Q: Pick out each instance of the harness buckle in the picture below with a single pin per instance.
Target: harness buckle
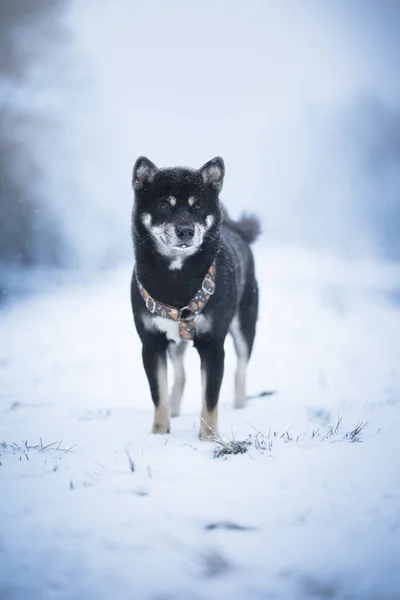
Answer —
(208, 286)
(150, 304)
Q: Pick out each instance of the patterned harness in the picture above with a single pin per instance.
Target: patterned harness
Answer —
(186, 315)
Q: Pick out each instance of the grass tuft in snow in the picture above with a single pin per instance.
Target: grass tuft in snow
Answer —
(259, 442)
(225, 448)
(263, 442)
(24, 448)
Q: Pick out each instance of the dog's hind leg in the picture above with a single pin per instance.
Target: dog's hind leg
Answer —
(242, 354)
(243, 329)
(176, 353)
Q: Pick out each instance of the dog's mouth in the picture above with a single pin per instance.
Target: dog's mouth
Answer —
(171, 244)
(183, 246)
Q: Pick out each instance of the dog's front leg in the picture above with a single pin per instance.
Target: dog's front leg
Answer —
(176, 352)
(212, 357)
(154, 353)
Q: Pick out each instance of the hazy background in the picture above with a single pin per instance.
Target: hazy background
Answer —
(301, 98)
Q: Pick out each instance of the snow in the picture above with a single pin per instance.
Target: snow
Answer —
(316, 518)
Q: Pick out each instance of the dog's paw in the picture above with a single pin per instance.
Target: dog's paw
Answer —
(207, 434)
(160, 428)
(208, 437)
(175, 404)
(161, 421)
(175, 412)
(209, 425)
(239, 403)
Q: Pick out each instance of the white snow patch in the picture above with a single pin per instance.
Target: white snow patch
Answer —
(76, 522)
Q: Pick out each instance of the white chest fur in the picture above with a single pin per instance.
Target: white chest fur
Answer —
(171, 328)
(167, 326)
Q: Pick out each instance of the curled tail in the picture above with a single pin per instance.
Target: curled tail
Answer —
(248, 226)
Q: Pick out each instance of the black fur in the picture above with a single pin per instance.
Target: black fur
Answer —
(248, 226)
(226, 240)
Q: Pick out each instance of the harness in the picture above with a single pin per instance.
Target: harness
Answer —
(186, 315)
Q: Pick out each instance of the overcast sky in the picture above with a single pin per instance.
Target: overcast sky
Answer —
(299, 97)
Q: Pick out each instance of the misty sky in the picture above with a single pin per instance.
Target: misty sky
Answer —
(300, 98)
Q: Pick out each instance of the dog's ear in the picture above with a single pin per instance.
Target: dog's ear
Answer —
(143, 172)
(213, 173)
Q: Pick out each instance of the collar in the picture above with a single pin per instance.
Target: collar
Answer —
(188, 313)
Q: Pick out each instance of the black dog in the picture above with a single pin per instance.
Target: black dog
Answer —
(193, 280)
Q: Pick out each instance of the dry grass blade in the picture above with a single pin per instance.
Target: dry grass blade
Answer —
(354, 434)
(130, 461)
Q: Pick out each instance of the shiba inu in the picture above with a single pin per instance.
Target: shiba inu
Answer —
(193, 282)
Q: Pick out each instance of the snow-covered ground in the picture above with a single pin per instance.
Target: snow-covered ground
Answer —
(316, 514)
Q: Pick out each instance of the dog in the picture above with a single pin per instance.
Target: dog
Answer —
(193, 282)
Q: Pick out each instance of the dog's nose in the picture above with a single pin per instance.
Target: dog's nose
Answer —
(184, 232)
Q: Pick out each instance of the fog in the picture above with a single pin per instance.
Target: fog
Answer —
(301, 100)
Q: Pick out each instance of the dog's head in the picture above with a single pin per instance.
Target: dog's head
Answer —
(177, 207)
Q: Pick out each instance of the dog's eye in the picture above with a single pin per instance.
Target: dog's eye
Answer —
(163, 206)
(197, 206)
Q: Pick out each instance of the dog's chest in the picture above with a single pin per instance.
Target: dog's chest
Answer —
(171, 328)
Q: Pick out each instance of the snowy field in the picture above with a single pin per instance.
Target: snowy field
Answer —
(93, 507)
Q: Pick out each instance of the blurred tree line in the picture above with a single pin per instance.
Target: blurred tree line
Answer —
(29, 233)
